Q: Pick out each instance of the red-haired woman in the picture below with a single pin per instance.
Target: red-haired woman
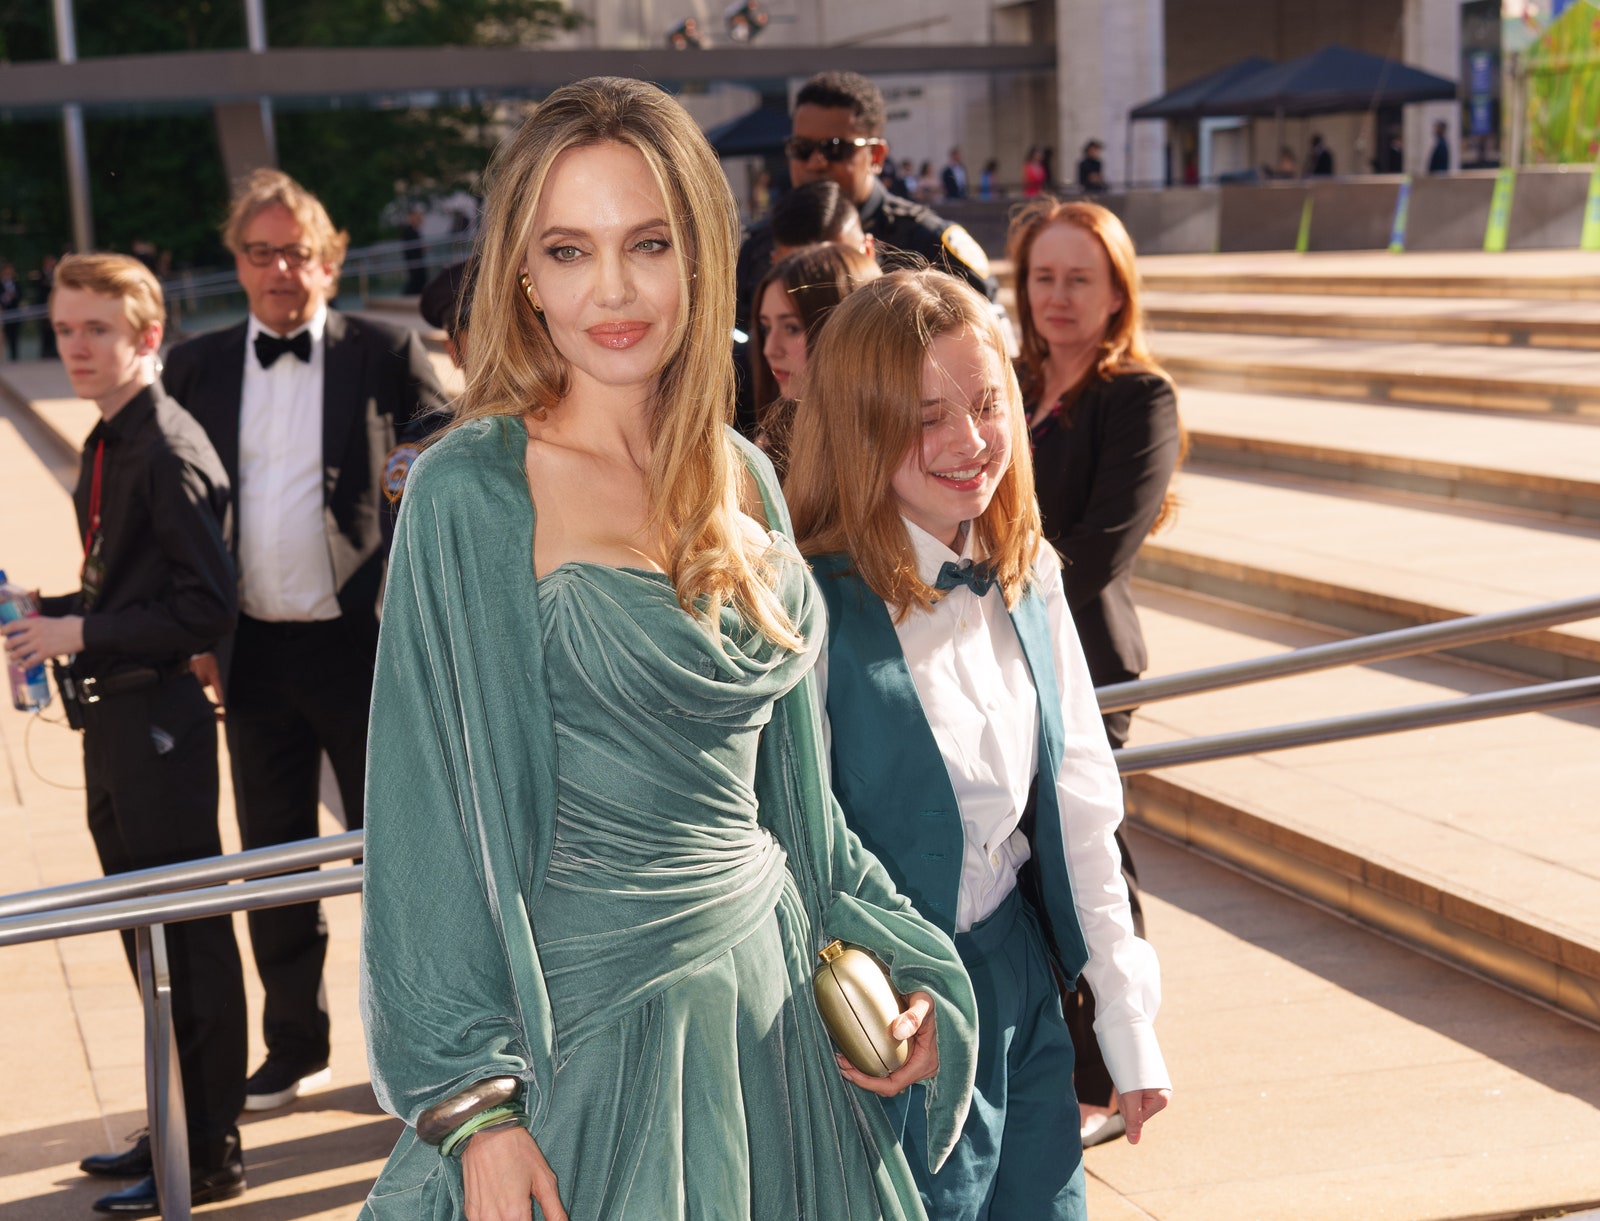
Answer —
(1103, 421)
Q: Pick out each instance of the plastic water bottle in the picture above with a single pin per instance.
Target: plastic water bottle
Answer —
(30, 689)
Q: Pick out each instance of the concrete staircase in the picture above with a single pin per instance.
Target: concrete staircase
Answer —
(1367, 459)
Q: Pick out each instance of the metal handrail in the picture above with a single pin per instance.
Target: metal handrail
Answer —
(93, 917)
(1542, 697)
(1381, 646)
(184, 905)
(374, 260)
(211, 871)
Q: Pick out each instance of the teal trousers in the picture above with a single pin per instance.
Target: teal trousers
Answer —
(1019, 1157)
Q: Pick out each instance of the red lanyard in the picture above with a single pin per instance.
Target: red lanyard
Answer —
(94, 498)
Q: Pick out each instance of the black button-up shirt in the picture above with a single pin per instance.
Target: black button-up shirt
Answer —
(168, 589)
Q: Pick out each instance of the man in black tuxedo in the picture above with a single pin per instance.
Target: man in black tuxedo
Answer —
(316, 416)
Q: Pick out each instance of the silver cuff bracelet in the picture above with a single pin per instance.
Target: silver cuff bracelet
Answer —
(436, 1123)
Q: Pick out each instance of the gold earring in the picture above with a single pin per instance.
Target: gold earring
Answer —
(525, 282)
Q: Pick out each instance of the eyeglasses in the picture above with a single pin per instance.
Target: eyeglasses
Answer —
(262, 254)
(835, 149)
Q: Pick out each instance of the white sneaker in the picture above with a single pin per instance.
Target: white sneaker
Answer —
(1099, 1129)
(277, 1083)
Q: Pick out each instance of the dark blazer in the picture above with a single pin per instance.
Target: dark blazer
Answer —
(1102, 470)
(379, 391)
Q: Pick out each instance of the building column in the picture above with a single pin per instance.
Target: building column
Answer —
(1432, 42)
(73, 144)
(1110, 58)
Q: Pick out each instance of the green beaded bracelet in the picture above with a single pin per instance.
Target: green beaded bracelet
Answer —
(494, 1117)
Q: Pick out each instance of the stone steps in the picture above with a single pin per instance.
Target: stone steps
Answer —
(1549, 383)
(1547, 275)
(1546, 467)
(1471, 842)
(1363, 561)
(1493, 322)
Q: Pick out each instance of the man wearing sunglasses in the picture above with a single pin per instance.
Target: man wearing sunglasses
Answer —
(316, 415)
(838, 127)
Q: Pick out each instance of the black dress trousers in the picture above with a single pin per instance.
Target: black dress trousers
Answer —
(150, 769)
(293, 691)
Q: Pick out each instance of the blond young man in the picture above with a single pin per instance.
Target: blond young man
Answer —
(157, 586)
(316, 415)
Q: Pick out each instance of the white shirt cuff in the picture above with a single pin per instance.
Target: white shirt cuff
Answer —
(1132, 1055)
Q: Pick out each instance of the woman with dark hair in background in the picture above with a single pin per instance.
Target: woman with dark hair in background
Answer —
(817, 212)
(792, 303)
(1103, 422)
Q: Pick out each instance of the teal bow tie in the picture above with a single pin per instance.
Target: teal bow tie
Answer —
(979, 578)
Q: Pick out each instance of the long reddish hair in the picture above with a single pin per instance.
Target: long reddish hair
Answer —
(1125, 346)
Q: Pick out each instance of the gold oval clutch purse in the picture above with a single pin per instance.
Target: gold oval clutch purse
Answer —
(858, 1004)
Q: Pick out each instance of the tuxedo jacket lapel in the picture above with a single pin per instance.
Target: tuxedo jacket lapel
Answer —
(342, 399)
(225, 401)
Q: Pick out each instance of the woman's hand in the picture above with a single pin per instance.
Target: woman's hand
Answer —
(1138, 1106)
(503, 1172)
(916, 1024)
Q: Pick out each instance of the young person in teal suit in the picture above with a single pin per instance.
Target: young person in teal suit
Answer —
(967, 750)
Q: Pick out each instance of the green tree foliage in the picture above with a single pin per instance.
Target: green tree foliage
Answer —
(160, 176)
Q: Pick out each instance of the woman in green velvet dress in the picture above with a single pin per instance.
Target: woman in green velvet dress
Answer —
(601, 850)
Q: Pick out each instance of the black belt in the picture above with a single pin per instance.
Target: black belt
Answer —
(135, 678)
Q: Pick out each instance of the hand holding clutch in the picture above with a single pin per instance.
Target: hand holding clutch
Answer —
(862, 1012)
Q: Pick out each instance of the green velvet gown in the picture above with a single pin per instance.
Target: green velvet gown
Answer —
(601, 856)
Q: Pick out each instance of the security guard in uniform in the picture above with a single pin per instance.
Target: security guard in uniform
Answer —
(838, 127)
(157, 587)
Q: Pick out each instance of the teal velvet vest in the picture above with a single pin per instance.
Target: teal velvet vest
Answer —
(890, 777)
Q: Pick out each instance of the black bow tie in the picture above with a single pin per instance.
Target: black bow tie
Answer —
(270, 347)
(979, 578)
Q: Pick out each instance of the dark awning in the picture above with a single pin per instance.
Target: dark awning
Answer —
(755, 134)
(1184, 101)
(1330, 81)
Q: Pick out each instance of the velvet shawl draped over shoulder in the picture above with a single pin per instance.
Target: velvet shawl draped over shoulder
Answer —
(462, 789)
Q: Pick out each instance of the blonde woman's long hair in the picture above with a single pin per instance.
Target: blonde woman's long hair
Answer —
(1125, 347)
(695, 476)
(860, 417)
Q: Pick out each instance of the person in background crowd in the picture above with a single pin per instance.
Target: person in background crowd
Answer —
(817, 212)
(446, 305)
(10, 303)
(910, 183)
(1103, 421)
(1034, 175)
(966, 746)
(416, 256)
(316, 415)
(602, 849)
(47, 280)
(1091, 169)
(927, 182)
(157, 586)
(146, 252)
(1047, 160)
(792, 303)
(954, 176)
(989, 181)
(1319, 161)
(889, 177)
(1439, 158)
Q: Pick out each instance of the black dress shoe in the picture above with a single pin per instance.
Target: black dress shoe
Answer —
(131, 1163)
(205, 1187)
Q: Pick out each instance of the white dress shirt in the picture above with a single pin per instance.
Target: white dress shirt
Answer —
(285, 571)
(976, 690)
